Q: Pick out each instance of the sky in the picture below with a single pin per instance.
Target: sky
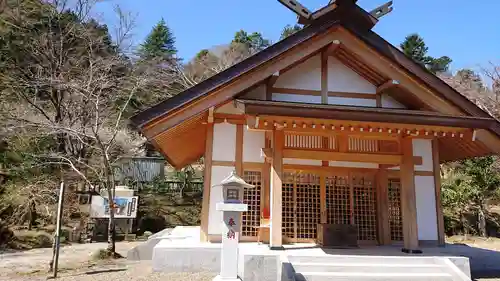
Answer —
(466, 31)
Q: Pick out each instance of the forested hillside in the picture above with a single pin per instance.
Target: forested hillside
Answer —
(69, 83)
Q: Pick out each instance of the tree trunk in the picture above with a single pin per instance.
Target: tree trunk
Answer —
(111, 200)
(32, 215)
(481, 221)
(111, 231)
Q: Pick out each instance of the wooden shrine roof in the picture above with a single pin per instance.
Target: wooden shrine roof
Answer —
(180, 118)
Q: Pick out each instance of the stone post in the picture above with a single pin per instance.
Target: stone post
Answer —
(232, 207)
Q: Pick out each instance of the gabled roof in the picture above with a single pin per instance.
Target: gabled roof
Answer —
(222, 78)
(357, 22)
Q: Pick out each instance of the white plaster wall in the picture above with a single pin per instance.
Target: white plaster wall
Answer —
(215, 217)
(253, 142)
(353, 164)
(306, 75)
(302, 161)
(423, 148)
(389, 102)
(224, 145)
(296, 98)
(342, 79)
(259, 93)
(352, 101)
(426, 208)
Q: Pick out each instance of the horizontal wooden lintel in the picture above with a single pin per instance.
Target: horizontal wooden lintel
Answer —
(318, 93)
(341, 156)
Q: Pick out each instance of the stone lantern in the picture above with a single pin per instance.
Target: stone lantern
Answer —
(232, 206)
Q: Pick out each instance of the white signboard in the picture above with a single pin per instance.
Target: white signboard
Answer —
(124, 207)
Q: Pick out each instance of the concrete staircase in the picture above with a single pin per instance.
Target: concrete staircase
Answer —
(352, 268)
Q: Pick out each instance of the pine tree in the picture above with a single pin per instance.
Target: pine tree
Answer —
(289, 30)
(254, 42)
(160, 43)
(414, 47)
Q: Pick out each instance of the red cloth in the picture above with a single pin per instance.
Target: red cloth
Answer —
(265, 213)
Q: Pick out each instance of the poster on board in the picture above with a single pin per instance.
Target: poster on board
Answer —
(124, 207)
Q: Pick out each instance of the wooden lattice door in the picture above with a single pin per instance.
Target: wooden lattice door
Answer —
(351, 199)
(395, 217)
(364, 206)
(250, 219)
(338, 200)
(301, 212)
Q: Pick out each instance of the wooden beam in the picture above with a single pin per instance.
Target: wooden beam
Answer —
(322, 196)
(341, 156)
(239, 150)
(330, 50)
(343, 143)
(205, 205)
(324, 77)
(387, 85)
(325, 170)
(269, 85)
(408, 197)
(378, 99)
(266, 173)
(276, 189)
(437, 189)
(351, 95)
(383, 208)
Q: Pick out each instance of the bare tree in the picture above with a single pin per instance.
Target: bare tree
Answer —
(72, 86)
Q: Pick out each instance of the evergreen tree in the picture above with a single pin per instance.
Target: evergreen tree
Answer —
(470, 79)
(254, 41)
(160, 43)
(289, 30)
(441, 64)
(414, 47)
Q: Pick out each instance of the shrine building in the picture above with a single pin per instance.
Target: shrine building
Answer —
(333, 126)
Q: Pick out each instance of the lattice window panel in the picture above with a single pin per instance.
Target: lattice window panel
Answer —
(288, 205)
(251, 196)
(308, 141)
(365, 211)
(395, 217)
(363, 145)
(338, 200)
(307, 205)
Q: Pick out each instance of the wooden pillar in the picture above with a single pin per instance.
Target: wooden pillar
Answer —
(322, 196)
(266, 175)
(437, 189)
(408, 198)
(205, 206)
(239, 150)
(276, 189)
(324, 77)
(384, 228)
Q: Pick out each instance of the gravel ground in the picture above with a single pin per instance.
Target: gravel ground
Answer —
(75, 264)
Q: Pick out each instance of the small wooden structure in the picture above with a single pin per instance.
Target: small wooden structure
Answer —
(332, 125)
